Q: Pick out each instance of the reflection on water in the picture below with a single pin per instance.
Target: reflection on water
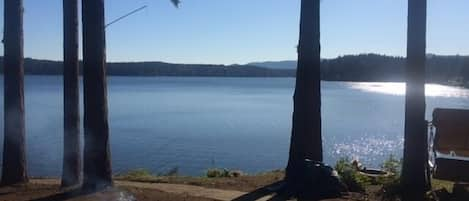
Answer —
(195, 123)
(367, 148)
(394, 88)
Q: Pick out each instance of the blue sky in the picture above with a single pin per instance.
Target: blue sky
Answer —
(241, 31)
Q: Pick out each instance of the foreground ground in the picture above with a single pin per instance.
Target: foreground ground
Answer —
(145, 188)
(160, 189)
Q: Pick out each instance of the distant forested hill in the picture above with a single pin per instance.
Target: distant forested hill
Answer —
(374, 67)
(46, 67)
(364, 67)
(275, 64)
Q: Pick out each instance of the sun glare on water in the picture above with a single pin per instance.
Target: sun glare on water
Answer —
(395, 88)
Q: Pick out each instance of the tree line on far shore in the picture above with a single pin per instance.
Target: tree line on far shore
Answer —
(363, 67)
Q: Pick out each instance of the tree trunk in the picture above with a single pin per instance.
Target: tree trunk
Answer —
(97, 158)
(415, 150)
(306, 140)
(71, 159)
(14, 151)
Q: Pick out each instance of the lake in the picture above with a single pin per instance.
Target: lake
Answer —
(196, 123)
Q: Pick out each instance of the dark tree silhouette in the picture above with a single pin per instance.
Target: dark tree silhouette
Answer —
(97, 159)
(71, 171)
(413, 177)
(14, 156)
(306, 142)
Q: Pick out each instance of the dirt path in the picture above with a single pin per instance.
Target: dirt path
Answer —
(192, 191)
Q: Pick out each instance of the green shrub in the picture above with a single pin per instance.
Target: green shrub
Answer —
(392, 165)
(137, 173)
(391, 188)
(145, 175)
(354, 181)
(216, 173)
(342, 165)
(220, 173)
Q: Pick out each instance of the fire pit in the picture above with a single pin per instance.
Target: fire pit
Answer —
(374, 172)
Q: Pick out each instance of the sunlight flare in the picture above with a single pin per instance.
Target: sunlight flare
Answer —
(398, 88)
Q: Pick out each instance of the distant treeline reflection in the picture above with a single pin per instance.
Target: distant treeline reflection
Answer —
(365, 67)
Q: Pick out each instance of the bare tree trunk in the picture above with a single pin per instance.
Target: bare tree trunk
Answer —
(306, 140)
(97, 158)
(414, 167)
(71, 159)
(14, 151)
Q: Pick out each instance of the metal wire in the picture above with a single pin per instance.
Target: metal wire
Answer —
(126, 15)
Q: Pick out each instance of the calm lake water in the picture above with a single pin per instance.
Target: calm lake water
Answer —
(194, 124)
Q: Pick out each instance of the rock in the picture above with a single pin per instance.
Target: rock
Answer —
(236, 173)
(322, 181)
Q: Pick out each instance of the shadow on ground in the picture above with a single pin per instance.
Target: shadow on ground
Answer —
(109, 194)
(460, 192)
(63, 195)
(269, 192)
